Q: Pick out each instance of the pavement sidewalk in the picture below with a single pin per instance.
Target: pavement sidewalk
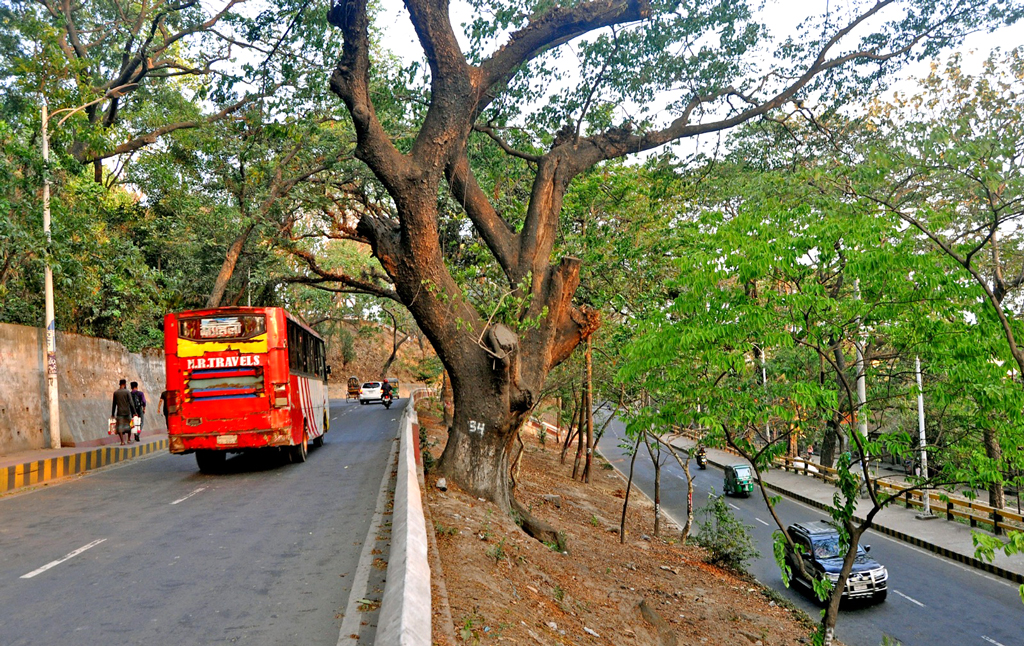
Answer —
(42, 466)
(946, 538)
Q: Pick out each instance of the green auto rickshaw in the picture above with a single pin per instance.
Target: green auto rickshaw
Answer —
(738, 481)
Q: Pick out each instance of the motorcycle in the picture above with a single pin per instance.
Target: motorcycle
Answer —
(702, 460)
(386, 400)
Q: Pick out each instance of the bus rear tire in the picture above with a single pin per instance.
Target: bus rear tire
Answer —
(210, 461)
(301, 450)
(318, 441)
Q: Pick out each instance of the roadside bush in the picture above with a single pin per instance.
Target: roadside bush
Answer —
(726, 539)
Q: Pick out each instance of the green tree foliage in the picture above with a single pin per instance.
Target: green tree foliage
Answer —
(783, 274)
(726, 539)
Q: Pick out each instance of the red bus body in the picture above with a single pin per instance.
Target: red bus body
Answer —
(243, 378)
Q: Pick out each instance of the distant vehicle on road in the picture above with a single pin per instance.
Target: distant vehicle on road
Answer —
(370, 392)
(394, 386)
(244, 378)
(738, 481)
(820, 550)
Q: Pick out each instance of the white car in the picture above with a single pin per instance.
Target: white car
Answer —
(370, 392)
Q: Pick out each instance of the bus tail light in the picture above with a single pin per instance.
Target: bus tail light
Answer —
(281, 395)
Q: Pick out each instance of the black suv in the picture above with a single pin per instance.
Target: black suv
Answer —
(819, 543)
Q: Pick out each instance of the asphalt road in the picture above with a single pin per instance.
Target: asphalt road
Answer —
(153, 552)
(932, 601)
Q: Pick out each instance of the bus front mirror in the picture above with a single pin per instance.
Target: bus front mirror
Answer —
(328, 369)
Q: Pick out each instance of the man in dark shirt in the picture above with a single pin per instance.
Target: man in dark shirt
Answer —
(165, 397)
(139, 399)
(122, 409)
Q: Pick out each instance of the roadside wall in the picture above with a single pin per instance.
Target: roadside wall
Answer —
(87, 373)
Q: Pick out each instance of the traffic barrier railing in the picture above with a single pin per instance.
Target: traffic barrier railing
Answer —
(957, 508)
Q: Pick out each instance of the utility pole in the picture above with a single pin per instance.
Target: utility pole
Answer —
(51, 323)
(764, 387)
(862, 397)
(927, 511)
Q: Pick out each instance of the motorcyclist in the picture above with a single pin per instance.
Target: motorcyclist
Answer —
(385, 389)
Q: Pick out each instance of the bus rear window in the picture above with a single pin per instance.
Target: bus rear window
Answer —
(220, 328)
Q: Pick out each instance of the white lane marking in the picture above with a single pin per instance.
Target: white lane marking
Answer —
(350, 623)
(70, 555)
(189, 495)
(910, 599)
(990, 640)
(734, 506)
(761, 521)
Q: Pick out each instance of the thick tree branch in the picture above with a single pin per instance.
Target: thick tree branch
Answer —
(350, 81)
(360, 286)
(497, 234)
(557, 25)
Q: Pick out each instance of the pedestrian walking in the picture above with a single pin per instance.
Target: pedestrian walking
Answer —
(122, 409)
(139, 399)
(162, 408)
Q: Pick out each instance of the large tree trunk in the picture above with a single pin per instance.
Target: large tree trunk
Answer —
(833, 432)
(830, 441)
(477, 455)
(227, 269)
(994, 452)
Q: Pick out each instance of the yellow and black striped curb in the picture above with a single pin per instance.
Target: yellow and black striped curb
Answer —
(49, 469)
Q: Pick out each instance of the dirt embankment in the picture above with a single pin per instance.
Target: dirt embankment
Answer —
(504, 587)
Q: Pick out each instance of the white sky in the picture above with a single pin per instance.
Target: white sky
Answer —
(782, 18)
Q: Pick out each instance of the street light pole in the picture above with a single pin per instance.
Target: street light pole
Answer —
(51, 323)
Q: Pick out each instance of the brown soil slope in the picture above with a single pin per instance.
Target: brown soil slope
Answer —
(504, 587)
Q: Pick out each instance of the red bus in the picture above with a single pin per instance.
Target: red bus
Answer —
(244, 378)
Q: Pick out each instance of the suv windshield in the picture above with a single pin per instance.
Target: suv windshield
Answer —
(371, 384)
(828, 548)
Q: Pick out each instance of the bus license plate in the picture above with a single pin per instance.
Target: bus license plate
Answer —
(227, 439)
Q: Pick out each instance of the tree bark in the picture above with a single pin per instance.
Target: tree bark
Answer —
(629, 485)
(656, 460)
(833, 432)
(581, 433)
(570, 429)
(447, 400)
(996, 495)
(685, 466)
(227, 268)
(590, 411)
